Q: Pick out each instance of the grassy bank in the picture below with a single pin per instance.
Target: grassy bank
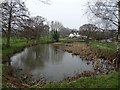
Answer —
(19, 44)
(101, 81)
(0, 75)
(0, 47)
(96, 44)
(70, 40)
(16, 45)
(104, 46)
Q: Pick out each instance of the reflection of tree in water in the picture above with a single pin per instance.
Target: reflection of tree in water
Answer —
(56, 54)
(37, 56)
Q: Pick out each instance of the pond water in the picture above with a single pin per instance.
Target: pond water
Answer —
(49, 61)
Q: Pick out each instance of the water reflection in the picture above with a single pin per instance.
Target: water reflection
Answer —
(48, 61)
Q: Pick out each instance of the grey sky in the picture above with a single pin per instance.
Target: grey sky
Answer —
(71, 13)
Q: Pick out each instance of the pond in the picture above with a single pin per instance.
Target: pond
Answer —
(49, 61)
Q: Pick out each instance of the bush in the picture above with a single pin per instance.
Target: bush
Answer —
(56, 35)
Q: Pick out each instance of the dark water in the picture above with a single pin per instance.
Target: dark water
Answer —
(48, 61)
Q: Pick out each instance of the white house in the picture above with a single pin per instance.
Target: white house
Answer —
(74, 35)
(71, 35)
(77, 35)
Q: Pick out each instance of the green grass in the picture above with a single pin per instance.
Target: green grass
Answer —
(0, 47)
(15, 46)
(20, 43)
(46, 38)
(70, 40)
(0, 76)
(101, 81)
(104, 46)
(96, 44)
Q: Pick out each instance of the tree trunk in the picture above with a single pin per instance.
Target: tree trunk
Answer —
(118, 36)
(9, 28)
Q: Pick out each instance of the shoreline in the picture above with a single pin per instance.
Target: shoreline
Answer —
(5, 58)
(73, 48)
(89, 53)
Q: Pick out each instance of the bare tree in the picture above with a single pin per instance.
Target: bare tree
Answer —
(64, 32)
(43, 1)
(14, 13)
(106, 13)
(56, 26)
(88, 30)
(34, 28)
(108, 10)
(38, 25)
(118, 34)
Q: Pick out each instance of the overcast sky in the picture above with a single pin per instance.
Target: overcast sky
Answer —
(71, 13)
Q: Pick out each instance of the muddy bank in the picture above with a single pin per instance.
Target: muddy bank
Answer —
(89, 53)
(103, 61)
